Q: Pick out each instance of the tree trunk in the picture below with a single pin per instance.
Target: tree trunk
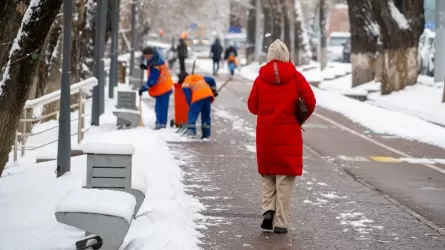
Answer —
(400, 39)
(302, 43)
(20, 72)
(50, 46)
(277, 17)
(364, 36)
(251, 25)
(323, 37)
(11, 14)
(268, 23)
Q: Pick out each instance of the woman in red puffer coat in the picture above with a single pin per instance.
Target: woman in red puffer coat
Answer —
(274, 99)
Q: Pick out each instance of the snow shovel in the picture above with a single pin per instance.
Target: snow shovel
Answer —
(193, 68)
(141, 123)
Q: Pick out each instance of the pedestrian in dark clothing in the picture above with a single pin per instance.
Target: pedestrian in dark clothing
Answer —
(182, 54)
(229, 50)
(216, 52)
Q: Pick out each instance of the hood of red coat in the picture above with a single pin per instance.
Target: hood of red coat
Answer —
(277, 72)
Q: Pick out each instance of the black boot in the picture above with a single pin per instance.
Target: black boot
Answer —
(268, 220)
(280, 230)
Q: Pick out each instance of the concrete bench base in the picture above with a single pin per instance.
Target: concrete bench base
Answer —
(104, 213)
(140, 196)
(127, 118)
(110, 229)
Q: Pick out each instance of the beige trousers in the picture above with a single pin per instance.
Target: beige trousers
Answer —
(277, 194)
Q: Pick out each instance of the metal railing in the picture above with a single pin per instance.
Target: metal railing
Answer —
(79, 88)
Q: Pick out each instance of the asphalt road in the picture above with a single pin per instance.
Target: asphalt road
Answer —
(360, 189)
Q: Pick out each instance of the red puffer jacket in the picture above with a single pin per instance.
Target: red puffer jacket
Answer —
(274, 98)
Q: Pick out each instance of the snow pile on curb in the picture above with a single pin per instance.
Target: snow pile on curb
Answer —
(166, 220)
(381, 120)
(419, 100)
(422, 100)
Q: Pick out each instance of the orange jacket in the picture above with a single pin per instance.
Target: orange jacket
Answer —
(232, 58)
(198, 86)
(164, 84)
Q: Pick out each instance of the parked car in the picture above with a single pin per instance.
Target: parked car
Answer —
(335, 45)
(347, 51)
(426, 52)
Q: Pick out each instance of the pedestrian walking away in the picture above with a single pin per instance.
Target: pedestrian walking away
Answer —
(274, 98)
(229, 50)
(182, 52)
(200, 92)
(216, 53)
(230, 56)
(159, 84)
(232, 63)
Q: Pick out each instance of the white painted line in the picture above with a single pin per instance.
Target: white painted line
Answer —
(352, 158)
(396, 151)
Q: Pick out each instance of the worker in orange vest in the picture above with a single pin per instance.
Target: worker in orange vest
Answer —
(200, 91)
(159, 84)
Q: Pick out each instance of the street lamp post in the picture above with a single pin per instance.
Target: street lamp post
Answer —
(259, 27)
(64, 142)
(133, 35)
(114, 47)
(102, 28)
(98, 67)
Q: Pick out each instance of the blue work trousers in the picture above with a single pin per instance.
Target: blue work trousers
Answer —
(202, 106)
(161, 110)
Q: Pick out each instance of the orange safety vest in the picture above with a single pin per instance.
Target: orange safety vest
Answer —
(164, 84)
(200, 89)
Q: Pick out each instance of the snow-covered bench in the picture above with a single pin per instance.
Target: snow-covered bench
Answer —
(126, 111)
(105, 213)
(109, 166)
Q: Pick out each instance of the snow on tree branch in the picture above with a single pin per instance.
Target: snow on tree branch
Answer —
(398, 17)
(303, 36)
(30, 15)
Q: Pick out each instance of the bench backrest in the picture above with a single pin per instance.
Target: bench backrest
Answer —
(109, 172)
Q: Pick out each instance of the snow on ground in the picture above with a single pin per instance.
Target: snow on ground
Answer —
(418, 100)
(422, 100)
(206, 66)
(426, 95)
(382, 120)
(29, 193)
(250, 72)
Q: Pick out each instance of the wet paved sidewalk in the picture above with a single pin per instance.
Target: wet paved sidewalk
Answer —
(330, 209)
